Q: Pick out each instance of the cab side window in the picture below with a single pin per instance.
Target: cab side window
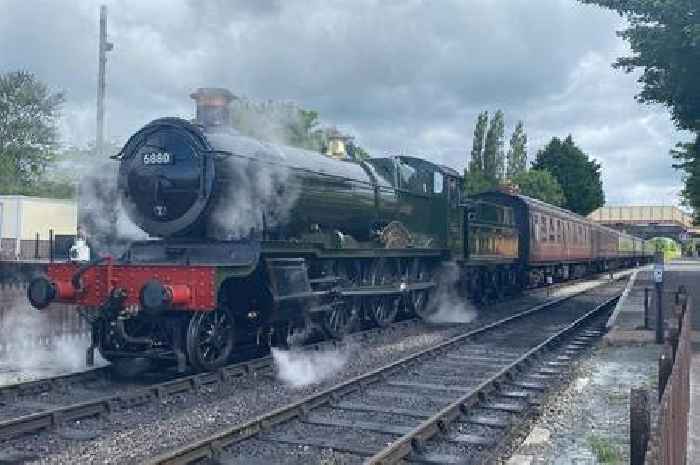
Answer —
(437, 182)
(416, 180)
(385, 168)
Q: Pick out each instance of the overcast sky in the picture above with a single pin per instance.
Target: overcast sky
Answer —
(399, 75)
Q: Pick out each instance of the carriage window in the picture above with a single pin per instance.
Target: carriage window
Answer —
(559, 231)
(552, 236)
(437, 183)
(543, 228)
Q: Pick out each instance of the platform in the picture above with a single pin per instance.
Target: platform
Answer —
(627, 326)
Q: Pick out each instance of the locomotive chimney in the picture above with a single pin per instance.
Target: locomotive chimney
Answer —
(213, 106)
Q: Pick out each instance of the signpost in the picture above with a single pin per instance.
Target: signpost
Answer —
(659, 285)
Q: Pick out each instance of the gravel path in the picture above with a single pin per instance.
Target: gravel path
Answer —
(131, 436)
(588, 422)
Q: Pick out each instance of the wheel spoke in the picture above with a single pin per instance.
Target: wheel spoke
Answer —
(210, 339)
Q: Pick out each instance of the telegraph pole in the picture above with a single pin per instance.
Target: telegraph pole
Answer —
(104, 47)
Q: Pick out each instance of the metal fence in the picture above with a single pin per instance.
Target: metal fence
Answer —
(45, 246)
(668, 437)
(25, 328)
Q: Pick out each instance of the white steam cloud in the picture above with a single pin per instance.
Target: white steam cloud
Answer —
(30, 347)
(299, 368)
(259, 195)
(100, 213)
(446, 305)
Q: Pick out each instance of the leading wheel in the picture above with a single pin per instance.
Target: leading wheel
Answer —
(210, 339)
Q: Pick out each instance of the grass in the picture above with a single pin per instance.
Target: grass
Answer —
(605, 450)
(617, 397)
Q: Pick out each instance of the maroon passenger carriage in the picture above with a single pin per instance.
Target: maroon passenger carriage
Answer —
(557, 244)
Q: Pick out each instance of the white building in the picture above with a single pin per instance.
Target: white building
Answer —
(23, 217)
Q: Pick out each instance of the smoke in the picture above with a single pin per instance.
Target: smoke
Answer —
(259, 195)
(446, 305)
(300, 368)
(279, 122)
(100, 214)
(30, 347)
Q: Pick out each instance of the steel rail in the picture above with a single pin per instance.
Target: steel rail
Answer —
(103, 405)
(37, 386)
(406, 444)
(211, 447)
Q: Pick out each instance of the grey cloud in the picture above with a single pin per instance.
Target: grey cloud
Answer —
(401, 75)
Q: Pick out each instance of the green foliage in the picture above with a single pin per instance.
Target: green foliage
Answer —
(476, 181)
(476, 161)
(517, 153)
(278, 122)
(664, 36)
(540, 184)
(578, 176)
(285, 123)
(494, 158)
(28, 135)
(670, 248)
(487, 158)
(605, 450)
(356, 152)
(688, 156)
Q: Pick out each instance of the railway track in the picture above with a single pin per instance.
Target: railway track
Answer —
(106, 394)
(451, 403)
(46, 404)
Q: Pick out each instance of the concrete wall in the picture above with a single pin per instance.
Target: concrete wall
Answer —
(22, 217)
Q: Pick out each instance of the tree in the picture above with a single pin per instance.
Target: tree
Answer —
(540, 184)
(476, 162)
(356, 152)
(578, 176)
(476, 181)
(278, 122)
(517, 153)
(28, 132)
(493, 159)
(664, 36)
(688, 156)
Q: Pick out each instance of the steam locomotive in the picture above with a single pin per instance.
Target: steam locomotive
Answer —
(257, 243)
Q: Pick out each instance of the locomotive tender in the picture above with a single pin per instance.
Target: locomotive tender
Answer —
(257, 243)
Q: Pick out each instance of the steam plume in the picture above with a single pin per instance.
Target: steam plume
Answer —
(446, 305)
(300, 368)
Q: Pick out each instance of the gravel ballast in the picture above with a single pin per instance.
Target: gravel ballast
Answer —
(133, 435)
(588, 421)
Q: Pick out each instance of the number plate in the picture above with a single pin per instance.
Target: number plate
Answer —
(157, 158)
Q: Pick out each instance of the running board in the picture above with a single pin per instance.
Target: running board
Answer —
(386, 290)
